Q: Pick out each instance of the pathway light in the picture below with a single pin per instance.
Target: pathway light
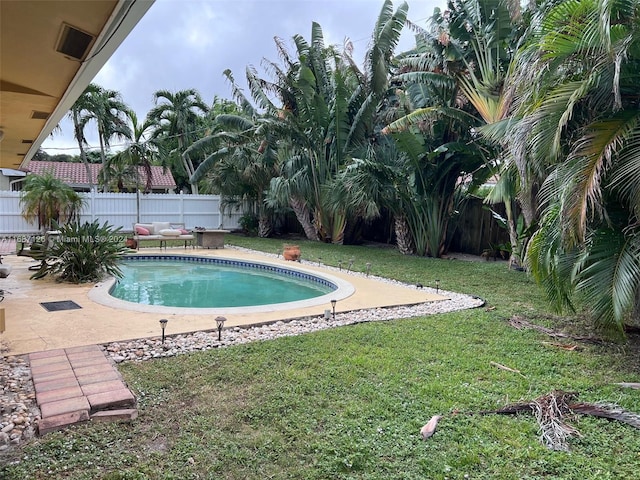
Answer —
(163, 325)
(220, 323)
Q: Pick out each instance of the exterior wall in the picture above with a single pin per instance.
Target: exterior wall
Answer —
(4, 182)
(125, 209)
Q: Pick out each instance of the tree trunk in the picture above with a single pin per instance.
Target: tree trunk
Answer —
(103, 159)
(264, 226)
(303, 215)
(404, 240)
(83, 154)
(526, 198)
(513, 236)
(188, 165)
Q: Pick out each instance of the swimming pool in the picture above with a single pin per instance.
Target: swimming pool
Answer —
(203, 285)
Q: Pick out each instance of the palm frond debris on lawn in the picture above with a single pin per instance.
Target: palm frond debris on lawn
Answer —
(552, 410)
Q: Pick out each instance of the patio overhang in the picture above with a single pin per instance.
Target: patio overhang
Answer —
(49, 52)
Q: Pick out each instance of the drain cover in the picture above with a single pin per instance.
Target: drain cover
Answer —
(61, 305)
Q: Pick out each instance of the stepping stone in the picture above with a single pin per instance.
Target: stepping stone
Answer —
(38, 362)
(84, 348)
(55, 384)
(98, 377)
(52, 376)
(101, 387)
(67, 405)
(86, 362)
(110, 415)
(58, 394)
(52, 367)
(108, 400)
(46, 354)
(92, 369)
(88, 354)
(56, 422)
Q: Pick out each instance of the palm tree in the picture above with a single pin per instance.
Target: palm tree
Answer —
(78, 115)
(241, 162)
(48, 200)
(107, 109)
(582, 123)
(177, 118)
(132, 164)
(444, 155)
(327, 109)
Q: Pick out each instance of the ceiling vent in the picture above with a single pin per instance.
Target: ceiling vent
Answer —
(27, 141)
(73, 43)
(36, 115)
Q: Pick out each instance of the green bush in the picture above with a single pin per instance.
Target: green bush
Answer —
(84, 253)
(249, 224)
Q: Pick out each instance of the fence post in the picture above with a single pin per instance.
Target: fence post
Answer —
(92, 197)
(182, 206)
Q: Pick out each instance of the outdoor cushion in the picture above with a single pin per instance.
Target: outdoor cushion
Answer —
(169, 232)
(141, 230)
(184, 232)
(157, 226)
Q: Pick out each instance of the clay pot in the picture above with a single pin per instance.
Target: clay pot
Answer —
(291, 252)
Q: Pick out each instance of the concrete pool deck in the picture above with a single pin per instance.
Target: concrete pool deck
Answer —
(31, 328)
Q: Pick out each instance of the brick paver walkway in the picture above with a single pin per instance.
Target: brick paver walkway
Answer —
(78, 384)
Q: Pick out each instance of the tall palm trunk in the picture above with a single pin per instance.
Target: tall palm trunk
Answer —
(404, 239)
(103, 160)
(188, 165)
(83, 155)
(264, 226)
(513, 235)
(299, 207)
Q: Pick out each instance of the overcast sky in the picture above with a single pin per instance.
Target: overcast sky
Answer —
(182, 44)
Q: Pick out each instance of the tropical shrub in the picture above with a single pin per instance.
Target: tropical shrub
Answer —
(84, 253)
(249, 224)
(48, 200)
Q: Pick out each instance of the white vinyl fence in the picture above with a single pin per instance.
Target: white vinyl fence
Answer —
(125, 209)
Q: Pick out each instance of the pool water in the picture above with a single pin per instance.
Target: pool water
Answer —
(199, 284)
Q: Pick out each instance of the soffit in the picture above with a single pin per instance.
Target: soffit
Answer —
(34, 77)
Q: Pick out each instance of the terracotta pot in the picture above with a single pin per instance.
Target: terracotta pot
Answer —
(291, 252)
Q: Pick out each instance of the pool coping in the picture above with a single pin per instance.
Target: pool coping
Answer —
(100, 293)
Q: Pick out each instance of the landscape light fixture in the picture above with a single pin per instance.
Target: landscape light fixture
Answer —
(333, 307)
(437, 285)
(351, 260)
(220, 323)
(340, 265)
(163, 325)
(368, 268)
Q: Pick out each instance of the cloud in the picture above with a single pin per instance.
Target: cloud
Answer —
(182, 44)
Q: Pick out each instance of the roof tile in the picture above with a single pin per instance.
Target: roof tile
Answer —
(76, 173)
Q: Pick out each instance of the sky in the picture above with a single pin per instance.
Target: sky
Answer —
(183, 44)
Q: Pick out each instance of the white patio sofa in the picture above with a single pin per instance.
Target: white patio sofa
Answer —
(161, 231)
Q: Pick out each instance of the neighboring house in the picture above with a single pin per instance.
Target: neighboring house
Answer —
(11, 179)
(75, 175)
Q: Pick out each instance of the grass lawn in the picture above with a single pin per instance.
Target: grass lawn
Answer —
(348, 403)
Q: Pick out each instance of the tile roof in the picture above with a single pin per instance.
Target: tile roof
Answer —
(76, 173)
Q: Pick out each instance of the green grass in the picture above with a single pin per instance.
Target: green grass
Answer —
(348, 403)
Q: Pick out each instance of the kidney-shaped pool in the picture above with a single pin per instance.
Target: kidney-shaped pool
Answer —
(192, 284)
